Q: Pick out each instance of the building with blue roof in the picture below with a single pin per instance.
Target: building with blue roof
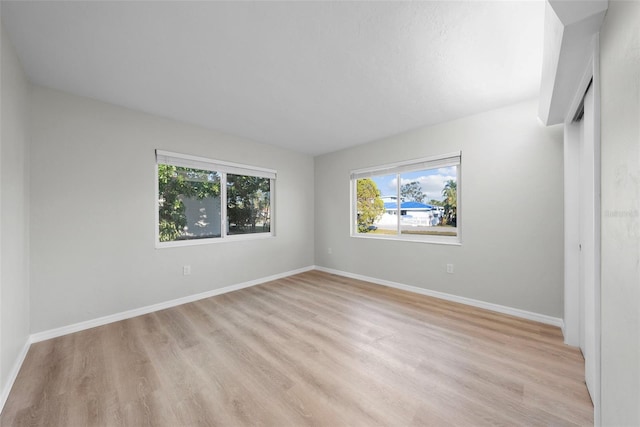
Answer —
(412, 213)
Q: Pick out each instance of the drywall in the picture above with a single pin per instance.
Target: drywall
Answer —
(620, 238)
(511, 213)
(93, 207)
(568, 29)
(14, 211)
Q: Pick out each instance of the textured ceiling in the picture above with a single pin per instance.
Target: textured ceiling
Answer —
(310, 76)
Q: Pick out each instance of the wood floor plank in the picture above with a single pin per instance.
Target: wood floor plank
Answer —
(313, 349)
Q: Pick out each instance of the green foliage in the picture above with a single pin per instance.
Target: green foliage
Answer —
(248, 200)
(174, 183)
(370, 206)
(450, 194)
(412, 192)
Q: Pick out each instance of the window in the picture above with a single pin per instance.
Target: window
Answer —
(202, 200)
(416, 200)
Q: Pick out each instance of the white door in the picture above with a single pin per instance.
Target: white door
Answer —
(590, 246)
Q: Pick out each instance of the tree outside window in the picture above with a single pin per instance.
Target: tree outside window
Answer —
(369, 204)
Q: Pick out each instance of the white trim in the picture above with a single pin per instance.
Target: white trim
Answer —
(573, 235)
(272, 207)
(214, 240)
(353, 202)
(597, 407)
(571, 202)
(156, 205)
(81, 326)
(523, 314)
(568, 28)
(459, 208)
(13, 374)
(186, 160)
(432, 162)
(416, 238)
(224, 221)
(585, 81)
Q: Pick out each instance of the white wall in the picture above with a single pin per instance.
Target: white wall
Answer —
(511, 214)
(620, 138)
(14, 211)
(97, 257)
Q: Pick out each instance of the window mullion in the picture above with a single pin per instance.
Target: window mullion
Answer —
(398, 203)
(272, 207)
(223, 205)
(355, 206)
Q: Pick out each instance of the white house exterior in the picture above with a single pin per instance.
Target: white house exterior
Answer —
(411, 214)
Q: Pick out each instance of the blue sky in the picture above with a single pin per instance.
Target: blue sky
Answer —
(432, 181)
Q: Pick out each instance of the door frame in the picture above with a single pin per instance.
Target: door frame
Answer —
(572, 293)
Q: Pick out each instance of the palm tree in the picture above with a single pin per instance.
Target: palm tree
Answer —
(450, 194)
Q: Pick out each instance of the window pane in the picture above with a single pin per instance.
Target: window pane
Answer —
(248, 204)
(376, 205)
(189, 203)
(429, 202)
(414, 200)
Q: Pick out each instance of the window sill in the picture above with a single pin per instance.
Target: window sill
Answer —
(215, 240)
(449, 241)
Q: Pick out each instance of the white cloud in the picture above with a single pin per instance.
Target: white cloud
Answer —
(392, 185)
(432, 185)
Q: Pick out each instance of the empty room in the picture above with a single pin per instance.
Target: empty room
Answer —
(328, 213)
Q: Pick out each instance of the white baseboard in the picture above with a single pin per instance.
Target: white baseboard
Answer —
(542, 318)
(76, 327)
(13, 374)
(57, 332)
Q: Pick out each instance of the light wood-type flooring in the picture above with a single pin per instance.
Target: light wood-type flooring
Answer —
(311, 349)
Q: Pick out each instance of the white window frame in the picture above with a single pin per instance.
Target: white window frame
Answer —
(425, 163)
(224, 168)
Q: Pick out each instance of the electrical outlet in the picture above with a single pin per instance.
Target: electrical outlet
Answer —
(450, 268)
(186, 270)
(329, 251)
